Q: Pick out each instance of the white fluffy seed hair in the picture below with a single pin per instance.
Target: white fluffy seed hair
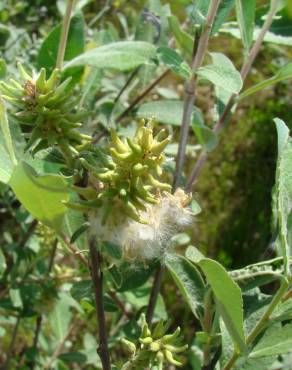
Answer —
(146, 241)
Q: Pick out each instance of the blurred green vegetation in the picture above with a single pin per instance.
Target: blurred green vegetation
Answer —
(234, 189)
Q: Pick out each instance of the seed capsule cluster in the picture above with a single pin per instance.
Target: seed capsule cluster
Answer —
(129, 173)
(154, 347)
(46, 107)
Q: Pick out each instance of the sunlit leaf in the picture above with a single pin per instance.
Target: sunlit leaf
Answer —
(224, 76)
(42, 196)
(123, 55)
(245, 11)
(228, 299)
(283, 190)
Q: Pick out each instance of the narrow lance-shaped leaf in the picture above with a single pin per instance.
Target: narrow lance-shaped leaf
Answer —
(284, 73)
(270, 36)
(245, 12)
(189, 282)
(228, 298)
(223, 12)
(283, 190)
(183, 40)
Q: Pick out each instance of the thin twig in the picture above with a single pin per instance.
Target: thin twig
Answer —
(64, 34)
(244, 73)
(12, 344)
(200, 48)
(97, 278)
(154, 293)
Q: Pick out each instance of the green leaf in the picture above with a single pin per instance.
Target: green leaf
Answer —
(16, 298)
(73, 220)
(6, 166)
(193, 254)
(2, 262)
(284, 73)
(183, 40)
(6, 132)
(223, 12)
(113, 250)
(84, 227)
(81, 290)
(172, 60)
(122, 56)
(222, 75)
(189, 282)
(47, 55)
(206, 137)
(228, 298)
(245, 12)
(279, 341)
(75, 357)
(131, 278)
(270, 37)
(60, 318)
(169, 112)
(3, 69)
(283, 311)
(200, 11)
(42, 196)
(283, 189)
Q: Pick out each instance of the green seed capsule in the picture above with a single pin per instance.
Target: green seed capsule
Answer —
(169, 357)
(170, 338)
(158, 184)
(119, 146)
(23, 72)
(146, 340)
(130, 346)
(53, 80)
(176, 349)
(158, 147)
(154, 346)
(136, 148)
(41, 80)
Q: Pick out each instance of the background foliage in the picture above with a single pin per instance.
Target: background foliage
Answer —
(45, 292)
